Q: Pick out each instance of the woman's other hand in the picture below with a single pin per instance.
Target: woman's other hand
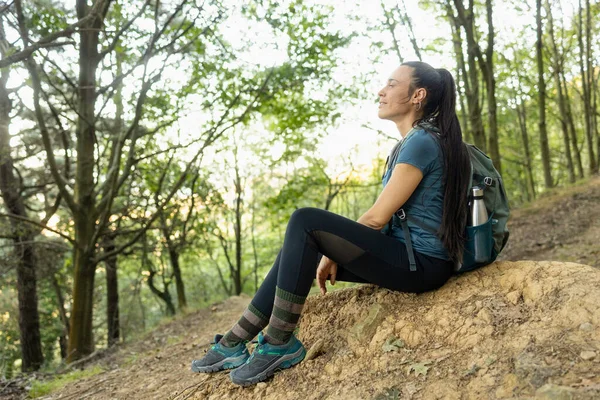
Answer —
(326, 268)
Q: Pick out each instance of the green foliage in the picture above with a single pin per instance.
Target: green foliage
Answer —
(389, 394)
(42, 388)
(271, 113)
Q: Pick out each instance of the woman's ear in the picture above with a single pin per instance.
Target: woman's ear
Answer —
(419, 95)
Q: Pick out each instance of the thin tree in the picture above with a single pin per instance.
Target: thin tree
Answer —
(21, 233)
(542, 98)
(557, 61)
(465, 18)
(585, 70)
(466, 22)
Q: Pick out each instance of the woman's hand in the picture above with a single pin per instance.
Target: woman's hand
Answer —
(326, 268)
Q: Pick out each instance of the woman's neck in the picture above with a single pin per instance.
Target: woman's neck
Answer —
(405, 122)
(404, 126)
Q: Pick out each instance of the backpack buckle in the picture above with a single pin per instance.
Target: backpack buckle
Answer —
(401, 214)
(488, 181)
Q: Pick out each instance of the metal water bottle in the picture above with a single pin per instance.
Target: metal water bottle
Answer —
(479, 216)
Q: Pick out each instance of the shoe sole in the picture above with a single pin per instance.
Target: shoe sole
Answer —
(287, 361)
(226, 363)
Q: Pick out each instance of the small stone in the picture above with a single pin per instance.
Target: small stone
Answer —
(554, 392)
(261, 385)
(587, 355)
(365, 329)
(586, 326)
(315, 350)
(513, 297)
(485, 316)
(332, 369)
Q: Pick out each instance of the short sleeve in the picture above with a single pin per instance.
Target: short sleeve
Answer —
(420, 151)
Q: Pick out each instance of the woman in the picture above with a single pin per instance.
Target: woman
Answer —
(428, 180)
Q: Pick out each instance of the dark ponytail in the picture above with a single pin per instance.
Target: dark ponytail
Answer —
(439, 109)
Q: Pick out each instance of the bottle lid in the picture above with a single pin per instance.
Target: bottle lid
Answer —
(477, 191)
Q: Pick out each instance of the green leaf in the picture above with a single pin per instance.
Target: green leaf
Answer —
(419, 368)
(392, 344)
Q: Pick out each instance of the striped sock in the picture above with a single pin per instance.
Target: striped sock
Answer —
(285, 316)
(251, 322)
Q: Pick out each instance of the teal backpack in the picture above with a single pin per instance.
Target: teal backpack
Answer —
(493, 234)
(494, 231)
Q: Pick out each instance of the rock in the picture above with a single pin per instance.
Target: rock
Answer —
(586, 326)
(366, 328)
(510, 382)
(485, 316)
(315, 350)
(409, 333)
(514, 297)
(555, 392)
(332, 369)
(587, 355)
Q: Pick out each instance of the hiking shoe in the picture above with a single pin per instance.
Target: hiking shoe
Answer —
(266, 359)
(219, 357)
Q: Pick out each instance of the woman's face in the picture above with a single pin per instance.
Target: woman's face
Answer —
(395, 102)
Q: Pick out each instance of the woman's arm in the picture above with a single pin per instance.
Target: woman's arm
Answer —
(403, 182)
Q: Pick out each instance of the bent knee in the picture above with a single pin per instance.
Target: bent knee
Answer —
(304, 214)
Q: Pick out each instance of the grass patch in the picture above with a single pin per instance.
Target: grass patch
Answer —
(42, 388)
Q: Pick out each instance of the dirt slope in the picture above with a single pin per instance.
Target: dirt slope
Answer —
(562, 226)
(513, 330)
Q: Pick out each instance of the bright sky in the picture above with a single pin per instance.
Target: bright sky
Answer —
(350, 137)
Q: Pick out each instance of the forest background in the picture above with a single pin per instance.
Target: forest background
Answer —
(151, 152)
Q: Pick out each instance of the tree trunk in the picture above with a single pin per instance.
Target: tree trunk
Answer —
(179, 286)
(111, 263)
(542, 99)
(465, 20)
(583, 53)
(522, 118)
(488, 67)
(164, 295)
(112, 292)
(461, 74)
(571, 126)
(595, 117)
(560, 98)
(173, 251)
(81, 339)
(463, 108)
(590, 76)
(29, 321)
(63, 338)
(237, 276)
(254, 252)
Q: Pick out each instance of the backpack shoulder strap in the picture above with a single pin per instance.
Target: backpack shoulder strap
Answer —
(409, 249)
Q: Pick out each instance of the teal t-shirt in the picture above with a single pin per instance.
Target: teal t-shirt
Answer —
(421, 149)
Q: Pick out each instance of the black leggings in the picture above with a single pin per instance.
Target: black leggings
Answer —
(363, 255)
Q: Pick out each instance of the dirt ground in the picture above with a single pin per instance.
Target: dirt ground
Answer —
(526, 330)
(564, 226)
